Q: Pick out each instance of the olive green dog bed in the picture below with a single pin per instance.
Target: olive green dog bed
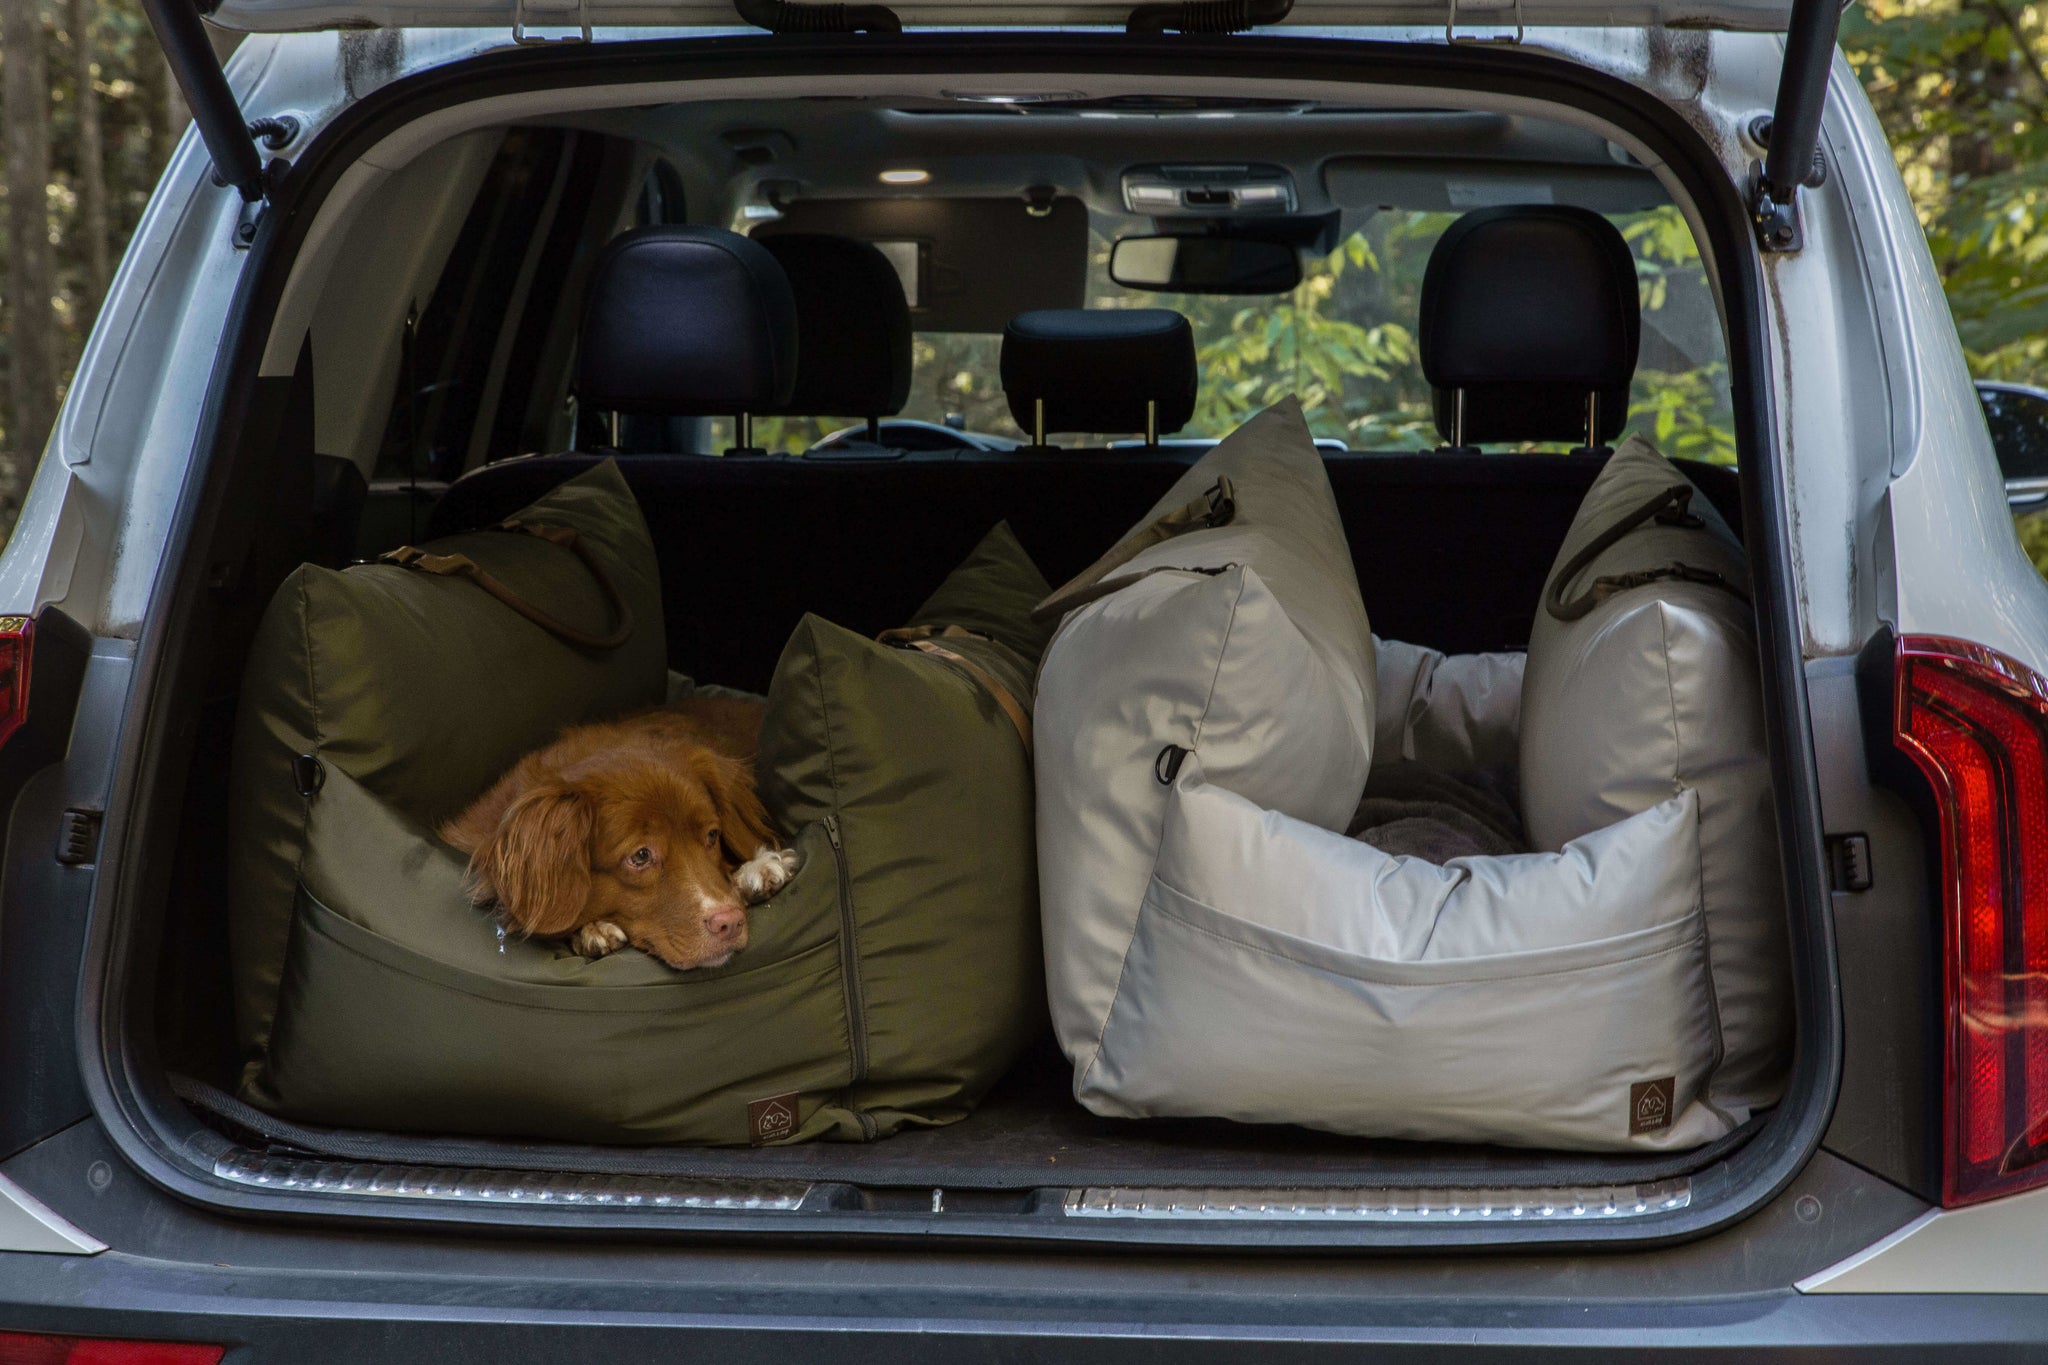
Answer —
(891, 982)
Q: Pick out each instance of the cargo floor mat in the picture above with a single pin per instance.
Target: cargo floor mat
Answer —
(1028, 1133)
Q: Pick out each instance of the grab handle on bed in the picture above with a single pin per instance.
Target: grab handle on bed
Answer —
(462, 566)
(1214, 508)
(1671, 507)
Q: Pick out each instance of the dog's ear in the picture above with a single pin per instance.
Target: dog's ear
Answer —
(536, 864)
(743, 823)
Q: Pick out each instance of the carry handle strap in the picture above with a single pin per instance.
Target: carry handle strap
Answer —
(462, 566)
(1671, 507)
(1214, 508)
(924, 639)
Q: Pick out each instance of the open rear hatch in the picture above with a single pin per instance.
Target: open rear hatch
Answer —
(1029, 1164)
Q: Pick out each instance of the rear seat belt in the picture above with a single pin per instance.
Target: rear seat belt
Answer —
(1671, 507)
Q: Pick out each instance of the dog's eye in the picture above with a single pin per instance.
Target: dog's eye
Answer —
(711, 838)
(640, 857)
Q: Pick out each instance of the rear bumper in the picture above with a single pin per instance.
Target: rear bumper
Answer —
(366, 1318)
(310, 1292)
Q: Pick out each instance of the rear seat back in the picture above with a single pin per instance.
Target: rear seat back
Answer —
(1451, 549)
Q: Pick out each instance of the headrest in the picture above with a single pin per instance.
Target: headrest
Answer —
(686, 322)
(1096, 368)
(1528, 310)
(852, 327)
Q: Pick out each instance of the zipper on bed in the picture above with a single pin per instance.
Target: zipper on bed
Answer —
(849, 970)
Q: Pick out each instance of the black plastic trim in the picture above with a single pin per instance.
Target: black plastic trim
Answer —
(138, 1107)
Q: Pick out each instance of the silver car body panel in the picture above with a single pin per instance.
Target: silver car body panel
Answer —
(1896, 510)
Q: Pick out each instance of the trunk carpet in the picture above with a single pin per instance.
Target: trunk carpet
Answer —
(1028, 1133)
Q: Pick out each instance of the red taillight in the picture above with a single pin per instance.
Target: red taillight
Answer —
(24, 1348)
(17, 640)
(1976, 723)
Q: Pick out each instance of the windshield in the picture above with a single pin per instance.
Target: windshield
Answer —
(1344, 342)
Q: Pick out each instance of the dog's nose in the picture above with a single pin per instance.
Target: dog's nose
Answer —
(725, 923)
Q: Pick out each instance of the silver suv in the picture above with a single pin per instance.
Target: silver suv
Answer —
(348, 321)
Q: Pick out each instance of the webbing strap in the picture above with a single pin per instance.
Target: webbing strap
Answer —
(925, 639)
(1214, 508)
(1671, 507)
(462, 566)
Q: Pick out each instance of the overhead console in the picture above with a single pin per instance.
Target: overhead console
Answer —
(1206, 189)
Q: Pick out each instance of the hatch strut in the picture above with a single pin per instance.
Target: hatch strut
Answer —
(230, 142)
(1795, 124)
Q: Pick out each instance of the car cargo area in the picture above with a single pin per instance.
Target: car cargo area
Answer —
(430, 374)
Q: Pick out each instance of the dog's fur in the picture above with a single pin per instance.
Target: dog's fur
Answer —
(644, 830)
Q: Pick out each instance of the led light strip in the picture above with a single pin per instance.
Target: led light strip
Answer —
(1561, 1204)
(307, 1175)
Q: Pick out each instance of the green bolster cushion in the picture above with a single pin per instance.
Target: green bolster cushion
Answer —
(423, 690)
(890, 982)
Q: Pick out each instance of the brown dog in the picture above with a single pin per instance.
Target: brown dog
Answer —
(644, 830)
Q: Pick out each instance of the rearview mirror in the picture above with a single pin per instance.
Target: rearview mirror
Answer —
(1204, 265)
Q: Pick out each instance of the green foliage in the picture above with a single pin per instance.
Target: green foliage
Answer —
(1962, 91)
(131, 81)
(2033, 529)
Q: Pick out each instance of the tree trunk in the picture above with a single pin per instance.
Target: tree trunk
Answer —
(32, 369)
(92, 166)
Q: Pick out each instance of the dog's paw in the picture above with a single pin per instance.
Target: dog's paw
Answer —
(598, 938)
(764, 874)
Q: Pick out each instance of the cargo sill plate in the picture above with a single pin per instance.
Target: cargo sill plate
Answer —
(528, 1189)
(1560, 1204)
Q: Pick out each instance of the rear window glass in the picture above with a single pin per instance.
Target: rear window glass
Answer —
(1344, 340)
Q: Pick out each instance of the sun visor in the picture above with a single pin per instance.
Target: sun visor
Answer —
(1384, 182)
(967, 265)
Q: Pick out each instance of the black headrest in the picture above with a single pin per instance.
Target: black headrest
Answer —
(852, 326)
(686, 322)
(1528, 310)
(1096, 368)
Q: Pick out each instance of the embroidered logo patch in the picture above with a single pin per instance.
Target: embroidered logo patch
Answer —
(772, 1119)
(1649, 1105)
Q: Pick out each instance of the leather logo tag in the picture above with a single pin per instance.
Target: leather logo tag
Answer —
(772, 1119)
(1650, 1104)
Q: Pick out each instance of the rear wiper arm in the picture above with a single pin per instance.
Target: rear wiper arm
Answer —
(795, 16)
(1206, 16)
